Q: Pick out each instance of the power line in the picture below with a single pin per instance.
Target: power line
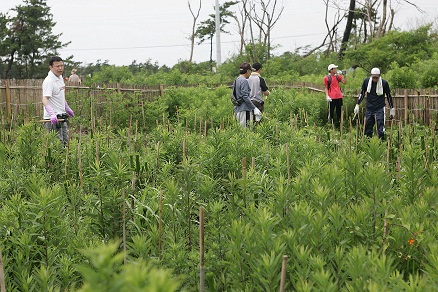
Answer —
(178, 45)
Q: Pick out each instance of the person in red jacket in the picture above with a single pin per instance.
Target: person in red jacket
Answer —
(333, 93)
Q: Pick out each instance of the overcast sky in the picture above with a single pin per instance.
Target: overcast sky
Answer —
(124, 31)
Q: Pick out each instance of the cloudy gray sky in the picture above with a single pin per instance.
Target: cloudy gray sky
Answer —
(124, 31)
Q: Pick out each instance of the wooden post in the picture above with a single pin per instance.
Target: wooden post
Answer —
(8, 99)
(79, 159)
(160, 223)
(124, 226)
(161, 89)
(201, 250)
(406, 106)
(2, 274)
(283, 273)
(244, 180)
(385, 231)
(288, 162)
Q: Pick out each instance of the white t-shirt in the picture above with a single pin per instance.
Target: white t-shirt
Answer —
(54, 90)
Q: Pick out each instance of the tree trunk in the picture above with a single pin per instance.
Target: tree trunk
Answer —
(348, 27)
(192, 36)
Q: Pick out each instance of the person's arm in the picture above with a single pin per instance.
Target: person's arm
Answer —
(327, 96)
(362, 91)
(387, 92)
(344, 79)
(264, 87)
(245, 94)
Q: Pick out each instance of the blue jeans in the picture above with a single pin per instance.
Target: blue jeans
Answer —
(61, 129)
(371, 118)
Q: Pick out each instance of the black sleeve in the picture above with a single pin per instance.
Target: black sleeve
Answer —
(263, 85)
(363, 90)
(387, 92)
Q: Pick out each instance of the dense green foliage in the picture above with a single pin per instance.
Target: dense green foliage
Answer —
(351, 214)
(27, 40)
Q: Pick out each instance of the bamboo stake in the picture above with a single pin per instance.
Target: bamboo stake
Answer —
(3, 130)
(160, 223)
(2, 274)
(124, 226)
(79, 158)
(341, 126)
(142, 114)
(184, 150)
(244, 180)
(156, 163)
(194, 123)
(283, 273)
(66, 157)
(8, 99)
(201, 250)
(385, 230)
(288, 161)
(200, 125)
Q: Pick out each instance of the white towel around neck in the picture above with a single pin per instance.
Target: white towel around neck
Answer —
(379, 87)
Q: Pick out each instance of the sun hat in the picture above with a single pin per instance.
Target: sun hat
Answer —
(375, 72)
(331, 66)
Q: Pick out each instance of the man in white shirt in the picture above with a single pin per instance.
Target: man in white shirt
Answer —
(56, 109)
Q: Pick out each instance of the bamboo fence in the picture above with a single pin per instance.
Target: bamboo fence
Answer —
(23, 97)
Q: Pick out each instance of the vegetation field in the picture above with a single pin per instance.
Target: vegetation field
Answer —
(118, 209)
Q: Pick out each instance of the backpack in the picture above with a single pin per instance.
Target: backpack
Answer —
(329, 80)
(234, 100)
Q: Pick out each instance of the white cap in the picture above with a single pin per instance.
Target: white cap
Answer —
(331, 66)
(375, 71)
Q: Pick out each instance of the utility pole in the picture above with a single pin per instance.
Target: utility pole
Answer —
(218, 35)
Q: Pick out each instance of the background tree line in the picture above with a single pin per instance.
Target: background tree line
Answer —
(369, 39)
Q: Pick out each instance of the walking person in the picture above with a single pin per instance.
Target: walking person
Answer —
(375, 89)
(56, 109)
(333, 93)
(246, 111)
(258, 87)
(74, 77)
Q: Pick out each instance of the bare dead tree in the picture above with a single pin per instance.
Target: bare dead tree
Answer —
(192, 36)
(264, 14)
(241, 24)
(332, 30)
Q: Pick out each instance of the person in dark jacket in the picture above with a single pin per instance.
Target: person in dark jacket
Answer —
(374, 88)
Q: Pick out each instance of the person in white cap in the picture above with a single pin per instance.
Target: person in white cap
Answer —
(333, 93)
(375, 89)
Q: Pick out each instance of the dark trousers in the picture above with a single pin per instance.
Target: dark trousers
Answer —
(335, 104)
(371, 118)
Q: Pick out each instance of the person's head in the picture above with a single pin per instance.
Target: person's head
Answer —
(375, 74)
(73, 71)
(56, 65)
(257, 67)
(245, 69)
(332, 68)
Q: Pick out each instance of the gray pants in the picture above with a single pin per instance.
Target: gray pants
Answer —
(61, 129)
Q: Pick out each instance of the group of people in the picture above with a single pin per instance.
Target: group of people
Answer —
(374, 88)
(250, 87)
